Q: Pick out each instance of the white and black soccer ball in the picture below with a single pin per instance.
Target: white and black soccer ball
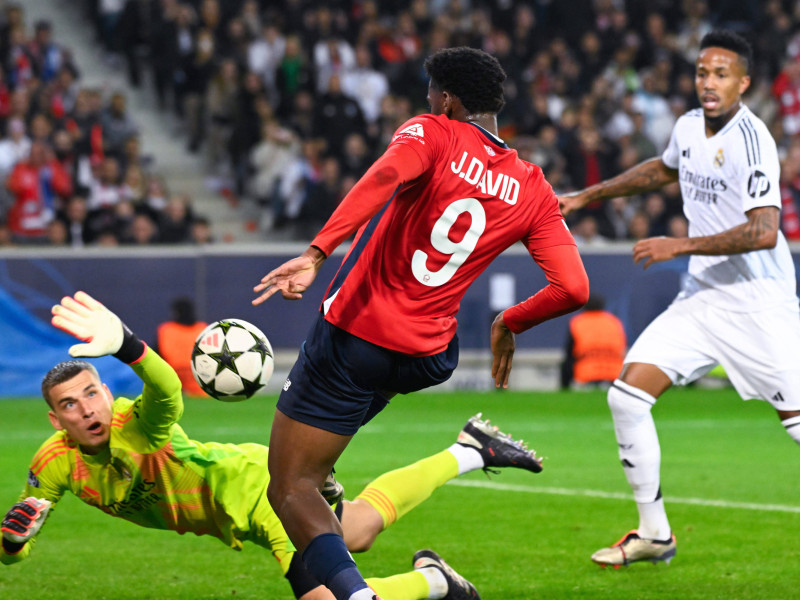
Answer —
(232, 360)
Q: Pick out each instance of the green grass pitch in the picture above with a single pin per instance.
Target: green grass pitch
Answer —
(729, 475)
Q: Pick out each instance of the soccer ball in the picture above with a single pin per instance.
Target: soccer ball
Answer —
(231, 360)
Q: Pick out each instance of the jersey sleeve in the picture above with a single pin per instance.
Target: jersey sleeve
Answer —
(160, 405)
(671, 154)
(759, 170)
(47, 480)
(397, 166)
(426, 135)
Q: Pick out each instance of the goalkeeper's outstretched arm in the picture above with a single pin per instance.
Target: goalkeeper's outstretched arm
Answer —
(103, 333)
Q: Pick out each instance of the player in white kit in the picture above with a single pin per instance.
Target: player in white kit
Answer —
(738, 307)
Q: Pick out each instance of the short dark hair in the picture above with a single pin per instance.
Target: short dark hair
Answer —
(730, 40)
(64, 371)
(474, 76)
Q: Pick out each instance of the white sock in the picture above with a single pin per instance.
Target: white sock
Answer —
(792, 425)
(363, 594)
(437, 584)
(469, 459)
(653, 523)
(640, 454)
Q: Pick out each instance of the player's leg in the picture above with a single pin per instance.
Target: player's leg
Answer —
(393, 494)
(790, 419)
(324, 401)
(431, 578)
(631, 399)
(300, 458)
(672, 349)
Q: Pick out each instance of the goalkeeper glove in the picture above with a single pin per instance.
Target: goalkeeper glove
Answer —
(23, 522)
(104, 333)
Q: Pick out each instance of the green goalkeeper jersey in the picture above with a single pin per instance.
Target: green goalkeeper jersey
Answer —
(153, 475)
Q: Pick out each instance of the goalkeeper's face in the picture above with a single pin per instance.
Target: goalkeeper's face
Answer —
(82, 406)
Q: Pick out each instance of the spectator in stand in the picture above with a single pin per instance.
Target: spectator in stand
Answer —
(270, 159)
(198, 71)
(75, 217)
(48, 57)
(16, 146)
(133, 31)
(357, 157)
(222, 98)
(368, 85)
(336, 116)
(201, 231)
(639, 226)
(105, 190)
(117, 124)
(163, 50)
(332, 57)
(175, 222)
(293, 75)
(786, 91)
(790, 191)
(678, 226)
(656, 209)
(246, 131)
(265, 55)
(134, 185)
(322, 198)
(142, 231)
(38, 185)
(56, 233)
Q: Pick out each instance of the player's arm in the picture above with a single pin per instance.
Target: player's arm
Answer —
(567, 290)
(398, 165)
(23, 521)
(161, 402)
(759, 232)
(646, 176)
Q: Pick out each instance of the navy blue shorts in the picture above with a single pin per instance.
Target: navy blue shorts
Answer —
(340, 381)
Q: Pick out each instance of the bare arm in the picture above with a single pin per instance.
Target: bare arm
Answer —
(758, 233)
(646, 176)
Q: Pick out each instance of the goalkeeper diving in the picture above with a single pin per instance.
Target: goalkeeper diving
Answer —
(131, 459)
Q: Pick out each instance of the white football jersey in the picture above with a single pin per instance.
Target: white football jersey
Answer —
(721, 178)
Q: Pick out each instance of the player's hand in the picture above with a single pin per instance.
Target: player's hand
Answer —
(25, 519)
(569, 203)
(657, 249)
(90, 321)
(503, 346)
(292, 278)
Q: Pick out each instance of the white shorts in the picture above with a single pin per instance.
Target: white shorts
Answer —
(759, 351)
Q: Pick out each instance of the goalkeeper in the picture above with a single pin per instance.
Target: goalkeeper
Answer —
(132, 460)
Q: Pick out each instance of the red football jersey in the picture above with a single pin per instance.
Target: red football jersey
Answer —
(403, 278)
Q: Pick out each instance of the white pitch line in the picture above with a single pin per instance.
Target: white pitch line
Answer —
(620, 496)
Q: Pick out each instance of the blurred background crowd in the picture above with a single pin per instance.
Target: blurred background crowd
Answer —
(289, 101)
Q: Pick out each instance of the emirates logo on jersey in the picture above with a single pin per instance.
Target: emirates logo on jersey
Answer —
(719, 159)
(489, 150)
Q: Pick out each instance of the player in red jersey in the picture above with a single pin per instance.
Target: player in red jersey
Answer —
(445, 199)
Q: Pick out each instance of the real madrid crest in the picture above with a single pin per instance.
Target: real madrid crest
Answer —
(719, 159)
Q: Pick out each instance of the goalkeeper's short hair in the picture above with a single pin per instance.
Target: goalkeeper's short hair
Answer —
(64, 371)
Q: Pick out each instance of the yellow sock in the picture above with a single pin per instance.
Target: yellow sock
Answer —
(395, 493)
(407, 586)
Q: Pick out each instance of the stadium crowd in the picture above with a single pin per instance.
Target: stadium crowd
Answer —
(70, 158)
(290, 101)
